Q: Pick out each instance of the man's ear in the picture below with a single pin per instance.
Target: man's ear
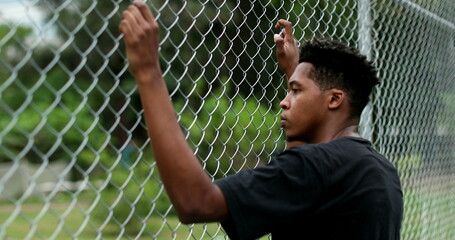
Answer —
(336, 98)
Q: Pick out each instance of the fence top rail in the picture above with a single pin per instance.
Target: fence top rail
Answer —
(415, 6)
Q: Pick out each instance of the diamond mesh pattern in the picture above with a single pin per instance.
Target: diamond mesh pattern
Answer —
(75, 160)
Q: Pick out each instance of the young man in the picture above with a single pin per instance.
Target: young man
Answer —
(328, 184)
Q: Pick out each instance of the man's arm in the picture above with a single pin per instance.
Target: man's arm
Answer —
(195, 197)
(287, 50)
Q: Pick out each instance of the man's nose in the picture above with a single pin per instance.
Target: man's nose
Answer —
(284, 104)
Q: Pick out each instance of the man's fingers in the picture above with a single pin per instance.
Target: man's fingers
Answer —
(287, 32)
(130, 26)
(124, 28)
(137, 15)
(284, 23)
(128, 16)
(145, 11)
(278, 39)
(279, 23)
(128, 19)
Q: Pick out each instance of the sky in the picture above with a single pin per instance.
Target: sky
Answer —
(23, 12)
(20, 12)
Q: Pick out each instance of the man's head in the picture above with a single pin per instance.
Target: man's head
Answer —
(336, 65)
(327, 91)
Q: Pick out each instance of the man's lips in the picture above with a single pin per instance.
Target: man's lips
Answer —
(283, 122)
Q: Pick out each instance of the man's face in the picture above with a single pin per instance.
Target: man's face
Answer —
(304, 107)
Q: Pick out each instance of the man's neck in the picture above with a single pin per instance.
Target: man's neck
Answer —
(347, 131)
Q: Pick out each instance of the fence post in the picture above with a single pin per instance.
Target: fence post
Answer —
(365, 42)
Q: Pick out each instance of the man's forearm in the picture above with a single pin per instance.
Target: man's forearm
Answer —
(190, 189)
(184, 179)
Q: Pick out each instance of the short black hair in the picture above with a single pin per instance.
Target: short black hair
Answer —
(337, 65)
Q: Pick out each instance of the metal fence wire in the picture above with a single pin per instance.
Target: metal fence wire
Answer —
(75, 160)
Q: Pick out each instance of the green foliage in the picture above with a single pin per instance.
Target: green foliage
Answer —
(12, 44)
(230, 134)
(53, 126)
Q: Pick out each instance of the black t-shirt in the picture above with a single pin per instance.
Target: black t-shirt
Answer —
(342, 189)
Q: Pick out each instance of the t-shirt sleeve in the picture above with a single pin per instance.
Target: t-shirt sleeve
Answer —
(263, 199)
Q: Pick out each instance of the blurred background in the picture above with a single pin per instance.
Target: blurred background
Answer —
(75, 160)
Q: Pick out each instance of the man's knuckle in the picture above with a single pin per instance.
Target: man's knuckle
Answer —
(142, 34)
(148, 29)
(151, 28)
(134, 40)
(141, 5)
(155, 26)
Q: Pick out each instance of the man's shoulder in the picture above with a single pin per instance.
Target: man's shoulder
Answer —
(345, 154)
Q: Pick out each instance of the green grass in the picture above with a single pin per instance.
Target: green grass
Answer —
(428, 214)
(36, 221)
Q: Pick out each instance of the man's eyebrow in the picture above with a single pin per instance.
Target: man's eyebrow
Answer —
(293, 82)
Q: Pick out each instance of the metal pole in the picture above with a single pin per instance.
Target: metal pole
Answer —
(365, 24)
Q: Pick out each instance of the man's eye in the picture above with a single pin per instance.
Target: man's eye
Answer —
(295, 90)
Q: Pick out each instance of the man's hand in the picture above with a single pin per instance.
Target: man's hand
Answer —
(141, 36)
(287, 49)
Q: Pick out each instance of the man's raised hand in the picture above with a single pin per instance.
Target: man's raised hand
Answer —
(287, 49)
(141, 36)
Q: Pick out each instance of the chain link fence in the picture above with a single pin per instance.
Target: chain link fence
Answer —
(75, 161)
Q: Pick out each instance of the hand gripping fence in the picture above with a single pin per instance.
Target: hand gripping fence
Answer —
(75, 161)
